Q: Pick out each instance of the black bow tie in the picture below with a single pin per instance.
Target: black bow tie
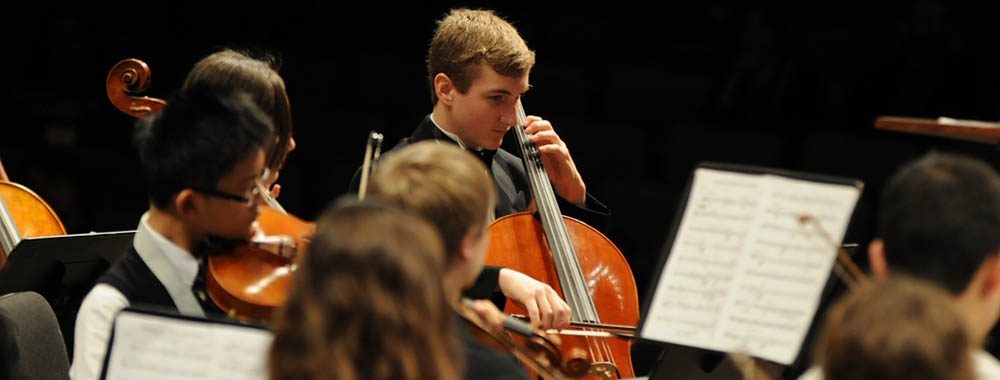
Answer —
(486, 156)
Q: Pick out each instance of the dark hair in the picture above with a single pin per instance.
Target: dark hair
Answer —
(196, 138)
(940, 218)
(256, 72)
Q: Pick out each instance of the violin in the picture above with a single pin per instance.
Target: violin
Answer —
(247, 279)
(23, 214)
(251, 279)
(576, 260)
(539, 352)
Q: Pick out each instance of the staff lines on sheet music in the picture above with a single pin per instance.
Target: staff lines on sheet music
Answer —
(694, 306)
(712, 293)
(784, 213)
(713, 230)
(715, 263)
(768, 308)
(728, 202)
(785, 247)
(806, 198)
(760, 323)
(151, 366)
(694, 322)
(779, 277)
(749, 186)
(793, 227)
(762, 258)
(758, 340)
(721, 215)
(705, 277)
(187, 352)
(760, 291)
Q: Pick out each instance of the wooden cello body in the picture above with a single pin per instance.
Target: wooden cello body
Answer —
(23, 214)
(579, 262)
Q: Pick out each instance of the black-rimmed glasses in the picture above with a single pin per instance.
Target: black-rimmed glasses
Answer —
(247, 201)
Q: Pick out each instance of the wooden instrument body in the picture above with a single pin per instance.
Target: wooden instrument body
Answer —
(32, 216)
(249, 282)
(517, 241)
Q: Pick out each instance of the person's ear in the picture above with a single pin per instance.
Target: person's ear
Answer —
(992, 264)
(444, 88)
(185, 203)
(876, 258)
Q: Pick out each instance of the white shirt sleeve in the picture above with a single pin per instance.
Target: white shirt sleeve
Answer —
(93, 328)
(814, 373)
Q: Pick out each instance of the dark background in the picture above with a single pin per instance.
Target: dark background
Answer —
(640, 93)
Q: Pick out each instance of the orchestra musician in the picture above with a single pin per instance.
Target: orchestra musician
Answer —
(452, 189)
(478, 69)
(938, 222)
(367, 301)
(257, 74)
(202, 156)
(897, 329)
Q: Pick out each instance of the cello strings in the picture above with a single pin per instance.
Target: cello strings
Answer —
(561, 246)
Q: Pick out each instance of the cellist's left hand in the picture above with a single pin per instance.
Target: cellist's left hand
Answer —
(544, 306)
(558, 163)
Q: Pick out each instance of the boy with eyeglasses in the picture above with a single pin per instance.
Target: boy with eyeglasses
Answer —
(202, 157)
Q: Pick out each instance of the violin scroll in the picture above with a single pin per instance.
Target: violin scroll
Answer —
(127, 77)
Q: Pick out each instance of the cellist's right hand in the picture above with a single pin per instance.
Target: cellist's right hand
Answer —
(545, 307)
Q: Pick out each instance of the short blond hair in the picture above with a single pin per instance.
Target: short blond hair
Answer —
(900, 328)
(441, 182)
(466, 38)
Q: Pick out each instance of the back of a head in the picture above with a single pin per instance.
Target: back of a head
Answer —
(939, 217)
(443, 183)
(196, 138)
(255, 73)
(900, 328)
(367, 301)
(466, 38)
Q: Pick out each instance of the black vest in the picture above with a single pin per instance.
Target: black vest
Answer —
(133, 278)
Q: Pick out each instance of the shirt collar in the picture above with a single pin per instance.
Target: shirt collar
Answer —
(485, 155)
(184, 261)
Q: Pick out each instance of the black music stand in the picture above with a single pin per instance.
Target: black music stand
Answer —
(62, 269)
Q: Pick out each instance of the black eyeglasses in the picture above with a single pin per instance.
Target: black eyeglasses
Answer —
(247, 201)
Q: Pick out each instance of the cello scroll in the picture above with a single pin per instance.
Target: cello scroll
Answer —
(127, 77)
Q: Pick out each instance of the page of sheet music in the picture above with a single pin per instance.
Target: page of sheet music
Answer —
(745, 274)
(148, 346)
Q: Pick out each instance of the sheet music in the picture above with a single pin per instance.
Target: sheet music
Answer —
(149, 346)
(744, 273)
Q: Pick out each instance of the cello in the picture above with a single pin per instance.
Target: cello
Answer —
(247, 280)
(23, 214)
(576, 260)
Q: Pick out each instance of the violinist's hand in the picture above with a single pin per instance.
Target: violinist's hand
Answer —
(275, 190)
(544, 306)
(491, 316)
(558, 163)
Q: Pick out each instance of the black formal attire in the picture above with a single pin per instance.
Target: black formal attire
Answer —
(513, 195)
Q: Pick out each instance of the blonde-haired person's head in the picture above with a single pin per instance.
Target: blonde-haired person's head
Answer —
(899, 328)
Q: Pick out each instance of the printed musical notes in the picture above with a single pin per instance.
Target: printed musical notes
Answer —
(744, 274)
(154, 346)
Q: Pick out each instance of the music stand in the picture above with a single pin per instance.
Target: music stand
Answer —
(62, 269)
